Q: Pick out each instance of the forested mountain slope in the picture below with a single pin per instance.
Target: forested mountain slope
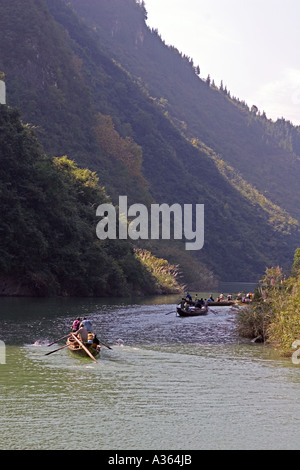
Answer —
(62, 76)
(266, 154)
(48, 244)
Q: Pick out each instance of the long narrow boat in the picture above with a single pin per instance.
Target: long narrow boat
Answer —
(228, 303)
(221, 303)
(83, 348)
(192, 312)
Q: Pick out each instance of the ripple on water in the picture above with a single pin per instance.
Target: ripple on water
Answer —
(171, 383)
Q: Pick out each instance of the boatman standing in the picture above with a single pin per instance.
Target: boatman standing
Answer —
(87, 324)
(82, 333)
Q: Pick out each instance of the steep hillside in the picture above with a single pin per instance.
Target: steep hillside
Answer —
(122, 31)
(84, 105)
(266, 154)
(47, 226)
(45, 81)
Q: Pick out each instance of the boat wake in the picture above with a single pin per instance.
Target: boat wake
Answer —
(40, 344)
(119, 342)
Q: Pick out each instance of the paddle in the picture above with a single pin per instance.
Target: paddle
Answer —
(83, 347)
(235, 306)
(51, 352)
(169, 312)
(104, 344)
(59, 339)
(211, 310)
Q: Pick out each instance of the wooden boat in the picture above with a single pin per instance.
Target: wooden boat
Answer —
(221, 303)
(192, 312)
(83, 348)
(228, 303)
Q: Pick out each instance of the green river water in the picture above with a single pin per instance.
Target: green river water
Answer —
(168, 382)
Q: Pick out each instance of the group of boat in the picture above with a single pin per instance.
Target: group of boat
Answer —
(90, 346)
(190, 310)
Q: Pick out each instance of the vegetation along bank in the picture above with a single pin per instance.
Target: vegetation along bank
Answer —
(274, 315)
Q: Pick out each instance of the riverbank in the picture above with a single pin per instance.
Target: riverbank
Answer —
(274, 314)
(154, 276)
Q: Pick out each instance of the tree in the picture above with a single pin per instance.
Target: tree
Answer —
(296, 265)
(142, 4)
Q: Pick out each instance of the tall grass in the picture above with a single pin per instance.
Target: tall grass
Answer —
(274, 314)
(163, 273)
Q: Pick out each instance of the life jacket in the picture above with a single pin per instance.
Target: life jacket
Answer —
(76, 324)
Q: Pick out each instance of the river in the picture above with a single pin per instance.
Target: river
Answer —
(167, 383)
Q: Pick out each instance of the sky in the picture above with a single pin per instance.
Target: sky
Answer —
(251, 45)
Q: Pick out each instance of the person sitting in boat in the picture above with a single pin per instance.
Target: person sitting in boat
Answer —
(96, 343)
(82, 333)
(76, 324)
(211, 299)
(87, 324)
(196, 298)
(183, 301)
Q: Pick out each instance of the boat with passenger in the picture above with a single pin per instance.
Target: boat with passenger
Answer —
(191, 312)
(84, 348)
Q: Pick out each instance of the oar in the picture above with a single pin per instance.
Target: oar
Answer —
(83, 347)
(59, 339)
(51, 352)
(215, 313)
(235, 306)
(104, 344)
(169, 312)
